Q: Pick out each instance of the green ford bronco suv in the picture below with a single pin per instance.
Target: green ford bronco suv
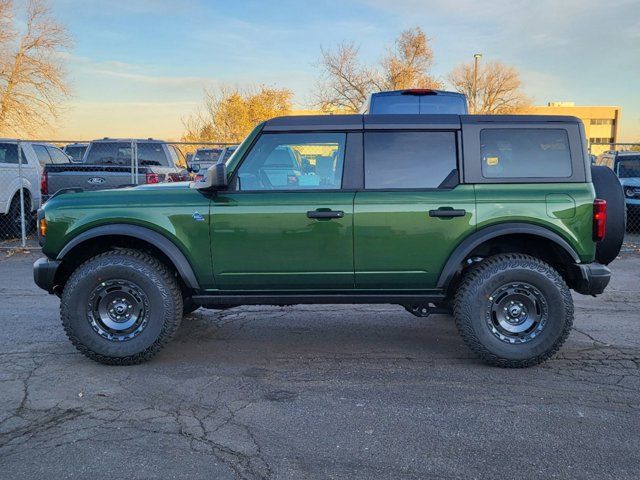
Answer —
(491, 218)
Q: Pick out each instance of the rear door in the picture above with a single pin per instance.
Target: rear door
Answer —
(412, 212)
(286, 223)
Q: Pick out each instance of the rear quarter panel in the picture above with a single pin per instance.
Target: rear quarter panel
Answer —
(564, 208)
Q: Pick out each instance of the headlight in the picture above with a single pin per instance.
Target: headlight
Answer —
(629, 192)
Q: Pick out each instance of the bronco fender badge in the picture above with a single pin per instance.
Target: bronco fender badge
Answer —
(197, 217)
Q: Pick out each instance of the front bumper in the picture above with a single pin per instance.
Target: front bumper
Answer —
(44, 273)
(591, 278)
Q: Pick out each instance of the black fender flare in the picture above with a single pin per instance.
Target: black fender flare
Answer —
(156, 239)
(465, 247)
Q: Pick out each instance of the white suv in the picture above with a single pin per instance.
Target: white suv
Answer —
(13, 174)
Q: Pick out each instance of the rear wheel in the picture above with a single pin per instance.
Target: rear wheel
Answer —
(513, 310)
(121, 307)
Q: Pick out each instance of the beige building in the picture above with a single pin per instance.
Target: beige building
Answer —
(601, 123)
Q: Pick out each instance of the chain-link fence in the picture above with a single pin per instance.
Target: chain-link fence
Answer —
(32, 171)
(624, 160)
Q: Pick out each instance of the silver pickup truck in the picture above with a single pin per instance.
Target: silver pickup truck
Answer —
(115, 163)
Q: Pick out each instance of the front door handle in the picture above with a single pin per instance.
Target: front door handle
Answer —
(325, 214)
(443, 212)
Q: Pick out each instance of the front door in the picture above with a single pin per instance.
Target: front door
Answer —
(412, 213)
(285, 224)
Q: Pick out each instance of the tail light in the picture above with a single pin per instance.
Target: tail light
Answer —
(151, 178)
(599, 219)
(178, 177)
(44, 183)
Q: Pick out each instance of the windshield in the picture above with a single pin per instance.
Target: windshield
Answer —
(628, 167)
(233, 160)
(120, 153)
(207, 155)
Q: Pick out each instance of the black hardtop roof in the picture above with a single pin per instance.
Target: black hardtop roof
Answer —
(359, 122)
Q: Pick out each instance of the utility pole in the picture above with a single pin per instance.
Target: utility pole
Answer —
(476, 58)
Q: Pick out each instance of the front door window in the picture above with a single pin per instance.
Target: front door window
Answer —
(293, 161)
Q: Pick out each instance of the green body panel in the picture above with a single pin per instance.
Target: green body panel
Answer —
(398, 246)
(167, 208)
(564, 208)
(264, 241)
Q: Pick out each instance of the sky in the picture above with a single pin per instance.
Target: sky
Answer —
(138, 67)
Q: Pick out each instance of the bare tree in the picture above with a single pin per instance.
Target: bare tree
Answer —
(229, 114)
(32, 79)
(346, 81)
(497, 88)
(408, 63)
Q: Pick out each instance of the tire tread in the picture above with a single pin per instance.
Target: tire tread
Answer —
(469, 290)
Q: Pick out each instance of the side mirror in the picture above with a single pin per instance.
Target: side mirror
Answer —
(215, 179)
(194, 167)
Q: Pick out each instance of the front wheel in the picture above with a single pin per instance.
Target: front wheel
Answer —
(121, 307)
(513, 310)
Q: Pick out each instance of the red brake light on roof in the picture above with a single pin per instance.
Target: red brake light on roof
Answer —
(599, 219)
(44, 184)
(152, 178)
(419, 91)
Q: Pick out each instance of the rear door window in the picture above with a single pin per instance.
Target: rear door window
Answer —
(525, 153)
(409, 160)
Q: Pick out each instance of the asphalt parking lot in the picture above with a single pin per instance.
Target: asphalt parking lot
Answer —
(318, 392)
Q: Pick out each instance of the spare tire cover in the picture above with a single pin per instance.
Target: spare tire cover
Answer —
(608, 188)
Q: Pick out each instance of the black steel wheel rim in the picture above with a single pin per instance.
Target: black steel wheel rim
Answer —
(516, 312)
(118, 310)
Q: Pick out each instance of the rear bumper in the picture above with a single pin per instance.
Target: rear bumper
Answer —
(591, 278)
(44, 273)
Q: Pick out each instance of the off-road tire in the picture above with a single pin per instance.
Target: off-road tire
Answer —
(475, 290)
(157, 283)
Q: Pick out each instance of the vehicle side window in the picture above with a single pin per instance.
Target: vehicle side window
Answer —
(8, 153)
(177, 157)
(152, 153)
(294, 161)
(42, 154)
(57, 156)
(525, 153)
(409, 160)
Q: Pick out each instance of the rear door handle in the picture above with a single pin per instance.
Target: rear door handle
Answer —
(447, 212)
(325, 214)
